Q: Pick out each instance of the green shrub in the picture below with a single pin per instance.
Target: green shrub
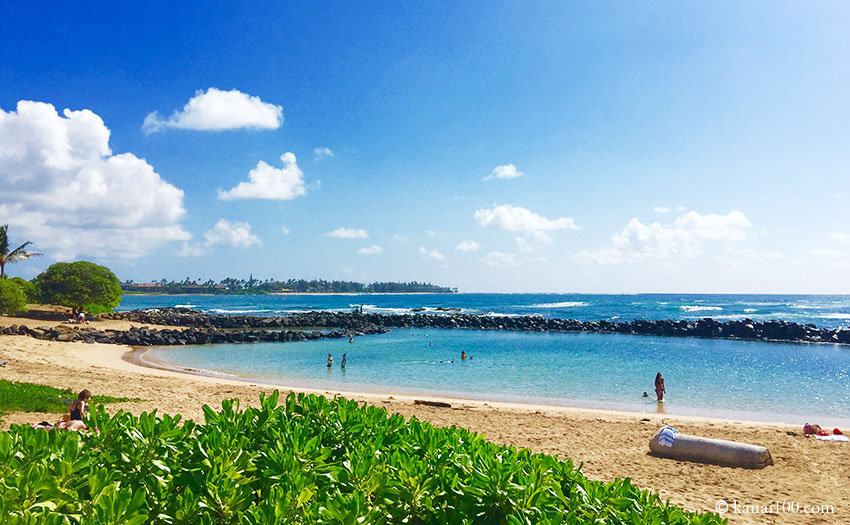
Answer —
(30, 289)
(27, 397)
(80, 285)
(310, 460)
(12, 298)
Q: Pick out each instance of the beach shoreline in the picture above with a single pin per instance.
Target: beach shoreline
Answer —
(137, 356)
(609, 444)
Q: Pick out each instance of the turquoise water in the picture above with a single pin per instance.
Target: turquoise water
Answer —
(828, 311)
(738, 379)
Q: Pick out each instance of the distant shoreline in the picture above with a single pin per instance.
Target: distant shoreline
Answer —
(289, 293)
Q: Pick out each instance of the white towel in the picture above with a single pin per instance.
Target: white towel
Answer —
(833, 437)
(666, 436)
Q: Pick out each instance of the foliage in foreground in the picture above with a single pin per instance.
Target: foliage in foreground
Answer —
(27, 397)
(310, 460)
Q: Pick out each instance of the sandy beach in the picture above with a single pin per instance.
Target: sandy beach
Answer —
(608, 444)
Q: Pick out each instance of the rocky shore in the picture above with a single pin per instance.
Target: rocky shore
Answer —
(204, 328)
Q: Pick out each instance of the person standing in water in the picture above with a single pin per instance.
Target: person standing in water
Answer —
(463, 354)
(330, 361)
(342, 363)
(659, 386)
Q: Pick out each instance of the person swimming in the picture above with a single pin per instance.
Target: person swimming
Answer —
(645, 394)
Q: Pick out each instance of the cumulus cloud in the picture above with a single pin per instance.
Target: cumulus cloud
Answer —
(500, 259)
(217, 110)
(319, 153)
(371, 250)
(684, 237)
(431, 254)
(840, 237)
(533, 241)
(223, 233)
(467, 246)
(518, 219)
(268, 182)
(349, 233)
(507, 171)
(63, 188)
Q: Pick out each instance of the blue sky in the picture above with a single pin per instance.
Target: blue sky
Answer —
(498, 146)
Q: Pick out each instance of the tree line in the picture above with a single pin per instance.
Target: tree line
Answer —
(231, 285)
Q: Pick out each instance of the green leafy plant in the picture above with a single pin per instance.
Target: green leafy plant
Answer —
(309, 460)
(28, 397)
(80, 285)
(13, 299)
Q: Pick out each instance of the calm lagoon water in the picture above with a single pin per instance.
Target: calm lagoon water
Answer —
(748, 380)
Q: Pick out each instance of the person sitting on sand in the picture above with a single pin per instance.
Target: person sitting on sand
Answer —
(330, 361)
(78, 407)
(659, 386)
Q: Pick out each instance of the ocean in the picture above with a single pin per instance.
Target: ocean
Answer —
(792, 383)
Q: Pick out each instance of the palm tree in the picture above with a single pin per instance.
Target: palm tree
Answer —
(6, 256)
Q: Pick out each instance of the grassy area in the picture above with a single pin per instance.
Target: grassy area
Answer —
(29, 397)
(307, 460)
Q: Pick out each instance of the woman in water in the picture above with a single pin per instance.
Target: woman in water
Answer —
(78, 407)
(330, 361)
(659, 386)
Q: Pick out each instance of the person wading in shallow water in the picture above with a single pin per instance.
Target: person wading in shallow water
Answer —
(344, 359)
(659, 386)
(330, 361)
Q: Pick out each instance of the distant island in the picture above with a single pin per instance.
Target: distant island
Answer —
(253, 286)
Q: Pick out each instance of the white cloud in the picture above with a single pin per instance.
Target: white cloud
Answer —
(235, 234)
(268, 182)
(467, 246)
(684, 237)
(223, 233)
(507, 171)
(661, 209)
(218, 110)
(533, 241)
(349, 233)
(500, 259)
(432, 254)
(284, 230)
(319, 153)
(62, 188)
(191, 250)
(518, 219)
(840, 237)
(371, 250)
(824, 252)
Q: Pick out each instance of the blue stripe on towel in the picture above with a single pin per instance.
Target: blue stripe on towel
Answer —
(666, 436)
